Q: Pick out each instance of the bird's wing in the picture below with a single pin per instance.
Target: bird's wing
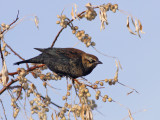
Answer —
(69, 53)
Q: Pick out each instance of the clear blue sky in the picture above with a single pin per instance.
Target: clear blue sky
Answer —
(139, 57)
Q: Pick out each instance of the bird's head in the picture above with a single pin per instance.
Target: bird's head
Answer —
(90, 61)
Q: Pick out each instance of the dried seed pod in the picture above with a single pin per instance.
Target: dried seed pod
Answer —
(107, 7)
(66, 104)
(95, 87)
(116, 6)
(64, 98)
(80, 94)
(73, 31)
(93, 43)
(104, 99)
(88, 95)
(98, 92)
(7, 27)
(110, 99)
(68, 93)
(3, 25)
(63, 16)
(86, 90)
(42, 76)
(76, 27)
(57, 22)
(106, 96)
(114, 10)
(6, 53)
(101, 83)
(44, 84)
(97, 82)
(88, 44)
(1, 36)
(3, 48)
(97, 97)
(58, 16)
(112, 7)
(106, 80)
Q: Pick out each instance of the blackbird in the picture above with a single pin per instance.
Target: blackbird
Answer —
(68, 62)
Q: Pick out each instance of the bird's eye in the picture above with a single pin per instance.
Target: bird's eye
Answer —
(92, 61)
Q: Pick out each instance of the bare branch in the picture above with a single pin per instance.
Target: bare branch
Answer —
(5, 87)
(3, 109)
(17, 54)
(63, 28)
(12, 22)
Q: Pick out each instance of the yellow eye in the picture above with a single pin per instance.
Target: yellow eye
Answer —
(92, 61)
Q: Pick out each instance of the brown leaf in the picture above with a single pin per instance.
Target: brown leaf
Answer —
(4, 72)
(117, 65)
(137, 28)
(75, 11)
(129, 93)
(103, 17)
(120, 64)
(140, 27)
(129, 27)
(132, 21)
(72, 13)
(52, 116)
(36, 21)
(130, 115)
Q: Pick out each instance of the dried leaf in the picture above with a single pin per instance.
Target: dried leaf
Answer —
(132, 21)
(129, 27)
(130, 115)
(75, 11)
(52, 116)
(140, 26)
(120, 64)
(36, 21)
(103, 17)
(129, 93)
(88, 5)
(72, 13)
(117, 64)
(4, 73)
(91, 115)
(137, 28)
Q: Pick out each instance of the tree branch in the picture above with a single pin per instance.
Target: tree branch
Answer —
(17, 55)
(63, 28)
(7, 86)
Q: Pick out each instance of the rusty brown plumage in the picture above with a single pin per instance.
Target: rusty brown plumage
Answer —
(69, 62)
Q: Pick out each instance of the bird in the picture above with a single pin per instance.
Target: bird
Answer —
(69, 62)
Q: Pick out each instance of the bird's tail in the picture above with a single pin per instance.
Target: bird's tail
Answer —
(32, 60)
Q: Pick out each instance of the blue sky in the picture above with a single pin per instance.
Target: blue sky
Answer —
(139, 57)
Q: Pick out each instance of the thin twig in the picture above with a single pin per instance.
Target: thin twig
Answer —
(63, 28)
(3, 109)
(17, 55)
(13, 81)
(5, 87)
(56, 37)
(13, 87)
(128, 87)
(3, 32)
(91, 86)
(19, 93)
(30, 69)
(52, 102)
(12, 22)
(1, 53)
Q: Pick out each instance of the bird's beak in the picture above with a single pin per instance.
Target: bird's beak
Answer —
(99, 62)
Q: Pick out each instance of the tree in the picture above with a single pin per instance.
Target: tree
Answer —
(24, 90)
